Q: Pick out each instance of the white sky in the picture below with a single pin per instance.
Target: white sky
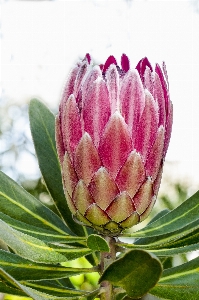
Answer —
(41, 40)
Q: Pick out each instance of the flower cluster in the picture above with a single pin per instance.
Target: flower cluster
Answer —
(112, 134)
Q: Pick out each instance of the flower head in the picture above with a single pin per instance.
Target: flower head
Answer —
(112, 135)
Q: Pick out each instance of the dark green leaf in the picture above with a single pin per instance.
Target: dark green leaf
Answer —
(65, 282)
(43, 234)
(50, 287)
(97, 243)
(20, 205)
(35, 249)
(5, 288)
(136, 272)
(42, 124)
(71, 252)
(28, 246)
(174, 251)
(179, 283)
(38, 295)
(179, 241)
(185, 214)
(24, 269)
(158, 216)
(163, 251)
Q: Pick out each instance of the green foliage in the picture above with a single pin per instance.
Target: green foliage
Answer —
(41, 244)
(97, 243)
(136, 272)
(42, 124)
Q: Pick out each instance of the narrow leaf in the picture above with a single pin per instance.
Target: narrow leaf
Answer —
(20, 205)
(28, 246)
(179, 283)
(136, 272)
(6, 289)
(38, 295)
(97, 243)
(42, 124)
(43, 234)
(163, 251)
(50, 287)
(25, 269)
(183, 215)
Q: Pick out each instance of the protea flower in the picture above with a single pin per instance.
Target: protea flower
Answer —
(112, 135)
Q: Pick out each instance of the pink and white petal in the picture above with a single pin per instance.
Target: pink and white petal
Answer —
(149, 80)
(163, 84)
(143, 197)
(88, 58)
(165, 73)
(141, 67)
(96, 215)
(154, 159)
(94, 73)
(146, 213)
(59, 140)
(132, 174)
(96, 110)
(81, 197)
(125, 64)
(159, 97)
(169, 123)
(84, 67)
(115, 144)
(71, 126)
(69, 88)
(156, 184)
(132, 99)
(69, 175)
(86, 159)
(110, 60)
(148, 126)
(103, 188)
(121, 208)
(112, 81)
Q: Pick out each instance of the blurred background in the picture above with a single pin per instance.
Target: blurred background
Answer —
(42, 40)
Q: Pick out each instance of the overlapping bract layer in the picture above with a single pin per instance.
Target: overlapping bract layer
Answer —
(112, 134)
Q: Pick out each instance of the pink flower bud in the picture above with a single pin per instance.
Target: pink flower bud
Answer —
(112, 135)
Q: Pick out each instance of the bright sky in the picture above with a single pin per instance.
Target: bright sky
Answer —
(41, 40)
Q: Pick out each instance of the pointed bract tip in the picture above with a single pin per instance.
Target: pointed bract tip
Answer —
(88, 57)
(125, 63)
(141, 66)
(110, 60)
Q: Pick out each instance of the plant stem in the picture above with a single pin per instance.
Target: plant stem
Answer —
(106, 259)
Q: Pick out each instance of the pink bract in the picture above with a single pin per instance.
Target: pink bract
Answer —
(112, 134)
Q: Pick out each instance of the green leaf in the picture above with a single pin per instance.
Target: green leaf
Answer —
(186, 239)
(42, 124)
(97, 243)
(10, 290)
(25, 269)
(20, 205)
(71, 252)
(43, 234)
(50, 287)
(164, 251)
(179, 283)
(28, 246)
(185, 214)
(35, 249)
(38, 295)
(136, 272)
